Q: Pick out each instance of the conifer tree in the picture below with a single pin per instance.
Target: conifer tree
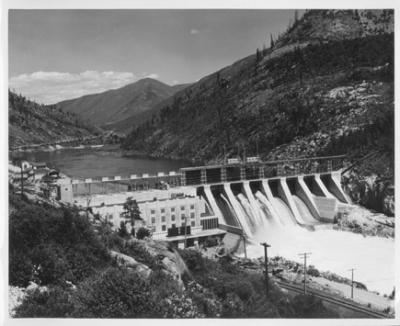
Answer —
(258, 56)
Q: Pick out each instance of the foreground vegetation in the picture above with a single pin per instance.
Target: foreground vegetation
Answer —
(69, 259)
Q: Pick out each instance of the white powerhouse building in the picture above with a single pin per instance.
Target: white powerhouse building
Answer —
(160, 209)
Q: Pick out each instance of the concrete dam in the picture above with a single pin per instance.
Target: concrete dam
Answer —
(233, 200)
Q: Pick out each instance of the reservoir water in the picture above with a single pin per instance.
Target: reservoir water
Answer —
(83, 163)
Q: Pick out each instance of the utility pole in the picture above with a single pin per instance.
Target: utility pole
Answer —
(266, 267)
(352, 283)
(305, 267)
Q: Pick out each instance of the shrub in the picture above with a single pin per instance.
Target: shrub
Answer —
(361, 286)
(50, 245)
(143, 233)
(138, 251)
(193, 260)
(207, 303)
(163, 285)
(54, 303)
(260, 308)
(117, 293)
(313, 272)
(180, 306)
(123, 231)
(309, 306)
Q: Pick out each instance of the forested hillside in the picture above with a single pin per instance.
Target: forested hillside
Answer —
(114, 109)
(314, 89)
(31, 123)
(324, 87)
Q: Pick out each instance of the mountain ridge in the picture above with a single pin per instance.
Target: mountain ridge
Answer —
(118, 104)
(268, 99)
(31, 123)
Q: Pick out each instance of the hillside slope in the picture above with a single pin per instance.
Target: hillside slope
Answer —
(329, 74)
(118, 104)
(33, 124)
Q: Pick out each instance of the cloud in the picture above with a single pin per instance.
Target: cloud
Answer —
(154, 76)
(52, 87)
(194, 31)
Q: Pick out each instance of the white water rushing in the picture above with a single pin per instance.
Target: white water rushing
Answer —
(334, 251)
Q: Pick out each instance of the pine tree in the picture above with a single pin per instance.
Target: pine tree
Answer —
(131, 211)
(272, 42)
(258, 56)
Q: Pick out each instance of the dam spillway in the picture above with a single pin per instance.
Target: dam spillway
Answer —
(247, 196)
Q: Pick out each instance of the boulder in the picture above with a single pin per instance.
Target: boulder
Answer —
(131, 263)
(170, 260)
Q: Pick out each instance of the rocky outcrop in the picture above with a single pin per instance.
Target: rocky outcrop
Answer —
(130, 262)
(370, 191)
(367, 223)
(169, 259)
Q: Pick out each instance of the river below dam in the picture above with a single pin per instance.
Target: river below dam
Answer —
(84, 163)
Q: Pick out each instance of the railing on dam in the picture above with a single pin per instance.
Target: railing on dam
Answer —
(214, 174)
(259, 170)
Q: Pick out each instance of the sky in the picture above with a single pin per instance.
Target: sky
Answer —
(56, 55)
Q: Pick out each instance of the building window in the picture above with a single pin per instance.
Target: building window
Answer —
(164, 228)
(182, 216)
(191, 215)
(163, 219)
(191, 206)
(110, 217)
(121, 215)
(193, 223)
(153, 220)
(152, 211)
(172, 217)
(172, 209)
(182, 208)
(162, 210)
(173, 225)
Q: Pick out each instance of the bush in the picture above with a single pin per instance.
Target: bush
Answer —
(50, 245)
(193, 260)
(309, 306)
(163, 285)
(260, 308)
(143, 233)
(138, 251)
(54, 303)
(117, 293)
(123, 231)
(313, 272)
